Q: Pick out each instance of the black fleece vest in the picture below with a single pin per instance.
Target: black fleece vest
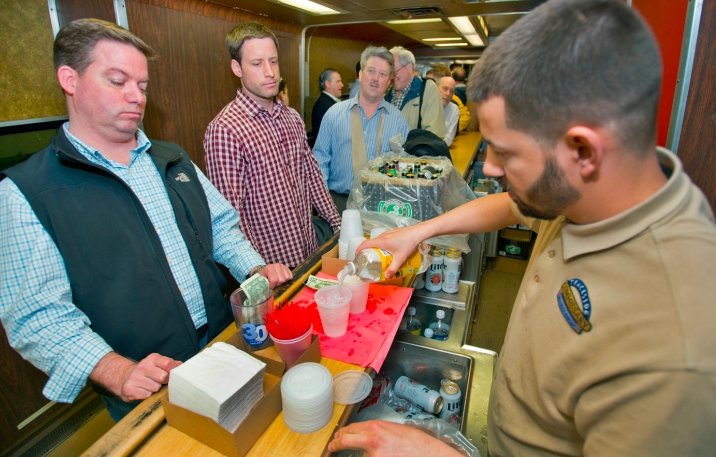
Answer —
(118, 271)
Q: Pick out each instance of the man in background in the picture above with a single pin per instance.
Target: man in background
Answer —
(610, 346)
(357, 130)
(450, 109)
(257, 155)
(460, 76)
(110, 242)
(331, 86)
(405, 94)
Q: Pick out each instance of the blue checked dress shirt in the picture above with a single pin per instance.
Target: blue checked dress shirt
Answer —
(333, 148)
(36, 306)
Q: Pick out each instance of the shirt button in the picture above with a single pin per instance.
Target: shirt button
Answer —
(536, 278)
(551, 253)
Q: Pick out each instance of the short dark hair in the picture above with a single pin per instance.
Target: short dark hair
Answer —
(246, 31)
(575, 61)
(75, 42)
(325, 76)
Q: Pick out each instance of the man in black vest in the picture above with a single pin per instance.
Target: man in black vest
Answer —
(112, 241)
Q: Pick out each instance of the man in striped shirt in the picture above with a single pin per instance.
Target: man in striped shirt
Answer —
(257, 155)
(337, 150)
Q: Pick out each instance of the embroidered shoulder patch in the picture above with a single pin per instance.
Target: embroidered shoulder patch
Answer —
(576, 316)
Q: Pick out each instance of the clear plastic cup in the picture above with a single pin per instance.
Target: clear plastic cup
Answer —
(291, 350)
(334, 305)
(359, 293)
(251, 320)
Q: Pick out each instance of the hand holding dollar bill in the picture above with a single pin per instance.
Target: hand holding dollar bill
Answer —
(257, 289)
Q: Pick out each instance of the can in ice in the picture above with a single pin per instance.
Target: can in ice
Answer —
(451, 271)
(450, 392)
(428, 399)
(434, 275)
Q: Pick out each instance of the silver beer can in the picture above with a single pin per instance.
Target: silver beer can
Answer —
(434, 274)
(451, 271)
(423, 396)
(450, 392)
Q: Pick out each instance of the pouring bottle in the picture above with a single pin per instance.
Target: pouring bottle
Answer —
(370, 264)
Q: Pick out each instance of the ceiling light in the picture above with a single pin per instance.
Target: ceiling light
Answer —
(456, 38)
(463, 25)
(474, 39)
(311, 7)
(450, 44)
(414, 21)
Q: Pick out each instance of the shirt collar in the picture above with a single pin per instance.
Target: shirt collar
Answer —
(331, 95)
(96, 156)
(253, 109)
(384, 104)
(588, 238)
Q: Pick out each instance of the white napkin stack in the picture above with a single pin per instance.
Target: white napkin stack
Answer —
(221, 382)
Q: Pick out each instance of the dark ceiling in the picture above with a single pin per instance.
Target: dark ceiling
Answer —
(368, 18)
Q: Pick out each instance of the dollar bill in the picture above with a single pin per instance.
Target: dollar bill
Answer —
(257, 289)
(316, 283)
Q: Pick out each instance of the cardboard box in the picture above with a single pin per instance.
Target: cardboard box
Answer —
(332, 265)
(238, 443)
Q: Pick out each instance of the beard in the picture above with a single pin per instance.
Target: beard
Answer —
(548, 196)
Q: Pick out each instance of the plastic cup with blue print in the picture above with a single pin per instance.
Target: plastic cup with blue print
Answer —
(250, 319)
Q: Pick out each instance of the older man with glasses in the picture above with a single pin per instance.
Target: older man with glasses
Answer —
(406, 94)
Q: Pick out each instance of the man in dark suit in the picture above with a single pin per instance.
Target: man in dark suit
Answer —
(331, 86)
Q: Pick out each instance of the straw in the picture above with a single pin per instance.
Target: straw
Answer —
(288, 322)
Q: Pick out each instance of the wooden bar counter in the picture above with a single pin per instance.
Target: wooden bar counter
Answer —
(145, 432)
(463, 151)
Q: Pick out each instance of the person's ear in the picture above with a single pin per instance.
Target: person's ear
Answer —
(587, 149)
(236, 68)
(67, 77)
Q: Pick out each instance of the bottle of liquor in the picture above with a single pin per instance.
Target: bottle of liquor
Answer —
(413, 324)
(370, 264)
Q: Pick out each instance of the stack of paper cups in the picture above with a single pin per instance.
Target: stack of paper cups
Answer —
(351, 227)
(307, 397)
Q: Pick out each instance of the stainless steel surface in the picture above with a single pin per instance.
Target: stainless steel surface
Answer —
(426, 360)
(460, 315)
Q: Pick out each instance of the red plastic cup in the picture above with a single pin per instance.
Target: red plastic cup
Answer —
(291, 350)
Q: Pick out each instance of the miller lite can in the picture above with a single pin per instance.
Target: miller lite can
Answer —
(451, 394)
(434, 275)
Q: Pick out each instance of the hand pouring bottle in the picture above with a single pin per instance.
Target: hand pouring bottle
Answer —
(370, 264)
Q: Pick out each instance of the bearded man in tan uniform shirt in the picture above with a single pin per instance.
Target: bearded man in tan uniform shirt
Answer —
(610, 349)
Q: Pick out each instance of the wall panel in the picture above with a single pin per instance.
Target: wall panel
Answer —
(697, 146)
(192, 80)
(28, 80)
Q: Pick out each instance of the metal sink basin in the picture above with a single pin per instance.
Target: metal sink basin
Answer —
(428, 366)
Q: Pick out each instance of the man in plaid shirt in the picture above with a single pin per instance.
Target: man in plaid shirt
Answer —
(257, 155)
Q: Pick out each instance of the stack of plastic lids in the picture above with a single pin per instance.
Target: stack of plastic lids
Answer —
(307, 397)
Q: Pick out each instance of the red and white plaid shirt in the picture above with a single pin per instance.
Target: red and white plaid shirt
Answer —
(261, 162)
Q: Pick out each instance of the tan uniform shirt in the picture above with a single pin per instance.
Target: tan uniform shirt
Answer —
(611, 347)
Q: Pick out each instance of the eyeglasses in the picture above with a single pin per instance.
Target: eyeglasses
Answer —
(381, 74)
(401, 67)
